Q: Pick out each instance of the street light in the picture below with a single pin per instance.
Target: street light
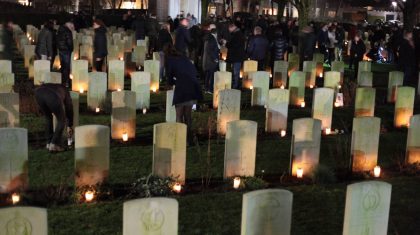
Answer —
(394, 4)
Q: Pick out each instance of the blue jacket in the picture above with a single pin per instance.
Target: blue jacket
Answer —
(182, 73)
(257, 47)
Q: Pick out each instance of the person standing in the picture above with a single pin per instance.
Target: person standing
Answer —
(99, 44)
(152, 29)
(322, 40)
(309, 42)
(54, 99)
(182, 37)
(407, 58)
(182, 74)
(357, 51)
(139, 26)
(257, 48)
(44, 45)
(164, 40)
(236, 53)
(65, 48)
(210, 58)
(339, 36)
(278, 47)
(331, 45)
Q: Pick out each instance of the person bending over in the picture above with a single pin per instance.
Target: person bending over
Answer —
(54, 99)
(182, 74)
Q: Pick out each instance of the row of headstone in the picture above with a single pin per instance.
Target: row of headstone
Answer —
(267, 211)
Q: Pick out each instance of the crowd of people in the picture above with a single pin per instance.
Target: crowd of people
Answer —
(190, 51)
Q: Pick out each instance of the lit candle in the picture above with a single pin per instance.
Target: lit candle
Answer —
(377, 171)
(336, 104)
(81, 90)
(154, 89)
(177, 187)
(121, 58)
(125, 136)
(89, 195)
(119, 89)
(327, 131)
(271, 75)
(299, 173)
(321, 75)
(15, 198)
(339, 87)
(251, 87)
(236, 182)
(302, 104)
(97, 110)
(71, 76)
(282, 87)
(311, 86)
(282, 133)
(144, 111)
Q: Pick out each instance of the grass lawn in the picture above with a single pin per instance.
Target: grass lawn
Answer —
(317, 208)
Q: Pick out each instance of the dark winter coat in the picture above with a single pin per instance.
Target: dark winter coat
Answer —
(407, 55)
(278, 48)
(211, 53)
(309, 42)
(357, 50)
(64, 39)
(100, 43)
(44, 45)
(182, 39)
(139, 26)
(257, 47)
(164, 38)
(182, 73)
(152, 27)
(236, 47)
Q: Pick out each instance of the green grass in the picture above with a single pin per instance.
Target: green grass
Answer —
(317, 209)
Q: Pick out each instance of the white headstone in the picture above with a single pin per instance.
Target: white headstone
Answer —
(240, 148)
(153, 67)
(123, 118)
(9, 110)
(222, 80)
(404, 106)
(248, 67)
(365, 143)
(96, 97)
(297, 88)
(7, 81)
(365, 102)
(309, 68)
(413, 140)
(305, 145)
(322, 106)
(229, 108)
(395, 80)
(23, 221)
(280, 73)
(5, 66)
(150, 216)
(267, 211)
(170, 150)
(91, 154)
(365, 79)
(79, 70)
(41, 70)
(140, 83)
(260, 86)
(116, 75)
(277, 110)
(367, 208)
(332, 80)
(13, 159)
